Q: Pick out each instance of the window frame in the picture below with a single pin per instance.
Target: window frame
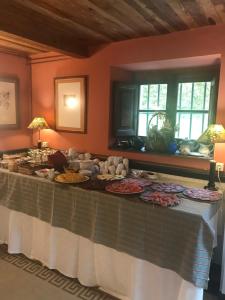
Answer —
(172, 78)
(149, 110)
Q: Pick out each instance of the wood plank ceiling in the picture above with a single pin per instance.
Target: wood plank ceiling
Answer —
(75, 27)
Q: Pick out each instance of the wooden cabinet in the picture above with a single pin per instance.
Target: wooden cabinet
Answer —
(125, 109)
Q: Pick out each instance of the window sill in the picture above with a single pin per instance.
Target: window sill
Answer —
(177, 155)
(171, 169)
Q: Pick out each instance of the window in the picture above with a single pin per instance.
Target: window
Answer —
(153, 99)
(187, 97)
(192, 115)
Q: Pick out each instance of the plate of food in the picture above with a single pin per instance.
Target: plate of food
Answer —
(71, 178)
(202, 194)
(140, 181)
(109, 177)
(42, 173)
(160, 198)
(168, 187)
(124, 188)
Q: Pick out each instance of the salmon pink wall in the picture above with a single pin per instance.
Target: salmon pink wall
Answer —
(186, 44)
(11, 65)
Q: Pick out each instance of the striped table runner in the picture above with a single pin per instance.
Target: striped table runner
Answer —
(179, 238)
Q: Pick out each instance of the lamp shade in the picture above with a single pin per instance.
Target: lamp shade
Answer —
(215, 133)
(38, 123)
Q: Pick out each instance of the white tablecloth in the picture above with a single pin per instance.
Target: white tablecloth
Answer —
(117, 273)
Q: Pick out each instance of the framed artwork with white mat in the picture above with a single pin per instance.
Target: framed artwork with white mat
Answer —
(9, 111)
(71, 104)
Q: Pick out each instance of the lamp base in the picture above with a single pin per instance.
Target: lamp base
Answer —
(211, 184)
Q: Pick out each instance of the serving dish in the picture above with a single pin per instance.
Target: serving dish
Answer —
(168, 187)
(43, 173)
(160, 198)
(71, 178)
(124, 188)
(202, 194)
(140, 181)
(109, 177)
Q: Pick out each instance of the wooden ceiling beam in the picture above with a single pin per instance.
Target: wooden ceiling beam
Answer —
(163, 10)
(90, 16)
(220, 8)
(66, 19)
(127, 15)
(196, 12)
(81, 27)
(149, 16)
(18, 20)
(178, 8)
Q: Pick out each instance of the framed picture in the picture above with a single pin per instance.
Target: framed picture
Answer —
(71, 104)
(9, 117)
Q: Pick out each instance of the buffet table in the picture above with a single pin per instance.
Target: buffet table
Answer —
(131, 249)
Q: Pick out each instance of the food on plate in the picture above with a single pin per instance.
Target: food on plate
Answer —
(42, 173)
(71, 178)
(69, 170)
(159, 198)
(168, 187)
(202, 194)
(140, 181)
(122, 187)
(109, 177)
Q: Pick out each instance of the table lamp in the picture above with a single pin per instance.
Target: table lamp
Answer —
(215, 133)
(38, 123)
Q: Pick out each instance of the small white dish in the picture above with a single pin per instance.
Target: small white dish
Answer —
(43, 173)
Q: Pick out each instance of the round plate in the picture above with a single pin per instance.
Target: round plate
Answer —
(42, 173)
(59, 180)
(109, 177)
(161, 199)
(140, 181)
(124, 188)
(202, 194)
(168, 187)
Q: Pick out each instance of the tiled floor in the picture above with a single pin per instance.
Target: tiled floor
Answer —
(27, 286)
(33, 281)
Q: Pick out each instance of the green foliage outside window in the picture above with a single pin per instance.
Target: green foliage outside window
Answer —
(190, 108)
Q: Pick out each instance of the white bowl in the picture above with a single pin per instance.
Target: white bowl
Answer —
(43, 173)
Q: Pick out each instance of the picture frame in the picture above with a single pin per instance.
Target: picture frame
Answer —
(71, 104)
(9, 103)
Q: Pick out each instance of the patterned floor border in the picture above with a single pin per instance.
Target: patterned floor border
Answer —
(69, 285)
